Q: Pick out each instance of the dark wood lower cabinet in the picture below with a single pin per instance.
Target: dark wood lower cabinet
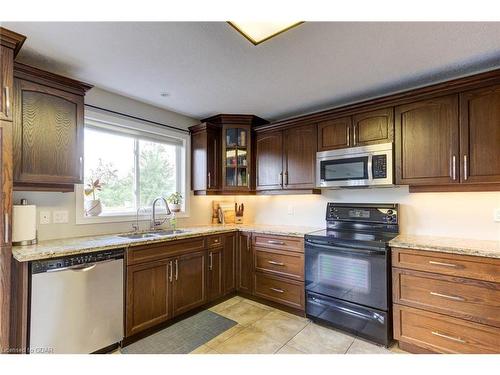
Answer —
(229, 263)
(245, 263)
(215, 283)
(148, 296)
(189, 282)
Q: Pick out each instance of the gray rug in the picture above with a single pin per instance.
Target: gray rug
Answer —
(184, 336)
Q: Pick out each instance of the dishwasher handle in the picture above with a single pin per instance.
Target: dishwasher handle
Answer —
(80, 267)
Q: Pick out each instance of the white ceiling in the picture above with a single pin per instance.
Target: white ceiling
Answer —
(208, 68)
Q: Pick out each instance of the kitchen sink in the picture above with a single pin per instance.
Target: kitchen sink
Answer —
(152, 234)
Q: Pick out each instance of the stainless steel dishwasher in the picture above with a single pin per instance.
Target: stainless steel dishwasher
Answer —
(76, 303)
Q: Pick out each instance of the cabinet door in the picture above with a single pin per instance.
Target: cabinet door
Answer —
(148, 295)
(6, 82)
(480, 135)
(47, 134)
(300, 157)
(269, 156)
(205, 156)
(334, 134)
(245, 263)
(229, 263)
(236, 157)
(215, 283)
(189, 284)
(427, 142)
(373, 127)
(6, 182)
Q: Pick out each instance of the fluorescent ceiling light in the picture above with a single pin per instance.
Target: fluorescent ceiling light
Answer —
(258, 32)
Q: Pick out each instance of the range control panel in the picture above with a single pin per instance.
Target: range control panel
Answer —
(76, 260)
(367, 213)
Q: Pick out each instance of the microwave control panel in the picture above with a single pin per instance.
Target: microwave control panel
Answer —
(379, 166)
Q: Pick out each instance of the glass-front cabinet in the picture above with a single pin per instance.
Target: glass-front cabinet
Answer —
(236, 157)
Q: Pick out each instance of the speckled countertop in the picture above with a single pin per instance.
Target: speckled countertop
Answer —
(483, 248)
(80, 245)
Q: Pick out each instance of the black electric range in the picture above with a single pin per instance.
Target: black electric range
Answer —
(347, 266)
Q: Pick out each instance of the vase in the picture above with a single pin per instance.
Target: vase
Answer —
(175, 207)
(93, 207)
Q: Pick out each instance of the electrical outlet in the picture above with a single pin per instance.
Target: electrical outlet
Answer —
(496, 215)
(60, 217)
(290, 210)
(44, 217)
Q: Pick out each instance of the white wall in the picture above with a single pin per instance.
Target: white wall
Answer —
(463, 215)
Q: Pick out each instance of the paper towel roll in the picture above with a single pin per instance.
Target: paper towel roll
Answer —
(23, 223)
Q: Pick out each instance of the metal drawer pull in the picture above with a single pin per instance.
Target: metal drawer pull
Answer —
(176, 270)
(210, 264)
(456, 298)
(442, 264)
(216, 241)
(277, 290)
(273, 242)
(275, 263)
(171, 271)
(457, 339)
(7, 101)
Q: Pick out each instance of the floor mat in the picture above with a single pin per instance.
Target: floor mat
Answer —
(184, 336)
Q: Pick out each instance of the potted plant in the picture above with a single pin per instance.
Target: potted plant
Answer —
(175, 201)
(93, 206)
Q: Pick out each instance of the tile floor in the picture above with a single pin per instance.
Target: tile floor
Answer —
(264, 330)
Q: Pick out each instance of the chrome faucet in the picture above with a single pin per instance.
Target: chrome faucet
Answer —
(135, 226)
(154, 222)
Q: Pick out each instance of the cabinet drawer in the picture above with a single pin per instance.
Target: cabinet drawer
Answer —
(156, 251)
(444, 334)
(464, 298)
(214, 241)
(278, 242)
(480, 268)
(286, 292)
(280, 263)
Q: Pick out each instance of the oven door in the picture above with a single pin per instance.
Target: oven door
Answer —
(354, 274)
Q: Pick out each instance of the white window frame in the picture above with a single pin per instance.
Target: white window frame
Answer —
(129, 125)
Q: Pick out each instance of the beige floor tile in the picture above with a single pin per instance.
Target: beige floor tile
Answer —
(279, 326)
(204, 349)
(261, 305)
(320, 340)
(224, 305)
(248, 341)
(225, 335)
(244, 313)
(360, 346)
(287, 349)
(395, 349)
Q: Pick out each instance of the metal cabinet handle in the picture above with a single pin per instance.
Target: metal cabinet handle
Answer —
(348, 134)
(171, 271)
(354, 134)
(442, 264)
(176, 269)
(6, 228)
(248, 243)
(456, 339)
(274, 242)
(248, 179)
(209, 181)
(280, 178)
(465, 168)
(210, 265)
(455, 298)
(275, 263)
(277, 290)
(286, 178)
(7, 100)
(81, 168)
(454, 168)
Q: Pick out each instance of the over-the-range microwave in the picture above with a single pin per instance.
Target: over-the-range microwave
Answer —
(355, 166)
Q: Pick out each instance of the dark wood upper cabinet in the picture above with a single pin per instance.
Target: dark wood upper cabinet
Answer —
(373, 127)
(6, 182)
(148, 296)
(269, 160)
(299, 157)
(480, 135)
(229, 262)
(7, 82)
(48, 129)
(244, 263)
(427, 142)
(215, 273)
(189, 282)
(237, 156)
(334, 134)
(205, 157)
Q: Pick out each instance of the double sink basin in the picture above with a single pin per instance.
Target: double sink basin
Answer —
(152, 234)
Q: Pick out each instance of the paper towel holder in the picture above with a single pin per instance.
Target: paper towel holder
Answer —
(24, 202)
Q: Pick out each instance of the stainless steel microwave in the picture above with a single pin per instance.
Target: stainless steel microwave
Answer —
(355, 166)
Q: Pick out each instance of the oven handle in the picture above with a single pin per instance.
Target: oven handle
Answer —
(345, 249)
(348, 311)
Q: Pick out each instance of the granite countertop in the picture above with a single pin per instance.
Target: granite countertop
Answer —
(80, 245)
(483, 248)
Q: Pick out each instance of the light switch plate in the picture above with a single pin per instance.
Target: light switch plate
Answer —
(44, 217)
(496, 215)
(60, 217)
(290, 210)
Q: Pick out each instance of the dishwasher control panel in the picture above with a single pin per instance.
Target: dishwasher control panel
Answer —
(50, 265)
